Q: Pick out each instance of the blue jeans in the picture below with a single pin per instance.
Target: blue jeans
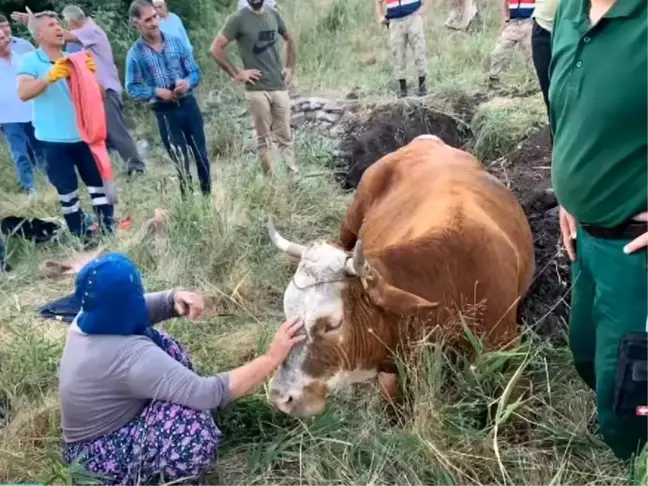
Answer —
(25, 151)
(62, 159)
(182, 129)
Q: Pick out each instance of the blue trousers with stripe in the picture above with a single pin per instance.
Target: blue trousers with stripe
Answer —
(62, 160)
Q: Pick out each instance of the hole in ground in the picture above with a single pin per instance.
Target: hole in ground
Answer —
(387, 128)
(526, 170)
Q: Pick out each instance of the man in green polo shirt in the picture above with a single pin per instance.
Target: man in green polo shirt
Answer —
(598, 104)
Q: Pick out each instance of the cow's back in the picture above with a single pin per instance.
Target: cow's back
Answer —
(434, 223)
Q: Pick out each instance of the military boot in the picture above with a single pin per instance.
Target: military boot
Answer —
(403, 88)
(422, 86)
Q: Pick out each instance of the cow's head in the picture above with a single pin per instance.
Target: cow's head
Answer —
(350, 320)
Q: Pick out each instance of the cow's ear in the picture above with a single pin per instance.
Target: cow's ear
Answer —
(394, 299)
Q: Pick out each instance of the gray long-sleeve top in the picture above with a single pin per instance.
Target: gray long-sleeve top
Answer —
(105, 380)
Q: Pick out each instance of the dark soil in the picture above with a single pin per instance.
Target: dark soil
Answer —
(526, 170)
(385, 129)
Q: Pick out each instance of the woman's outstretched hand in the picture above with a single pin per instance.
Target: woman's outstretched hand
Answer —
(188, 304)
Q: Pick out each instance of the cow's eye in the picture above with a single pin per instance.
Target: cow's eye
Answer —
(324, 325)
(332, 325)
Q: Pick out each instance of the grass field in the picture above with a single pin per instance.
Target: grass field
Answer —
(220, 248)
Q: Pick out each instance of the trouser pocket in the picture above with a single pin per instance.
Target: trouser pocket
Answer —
(631, 384)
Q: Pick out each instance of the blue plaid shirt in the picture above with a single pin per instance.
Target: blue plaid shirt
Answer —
(147, 70)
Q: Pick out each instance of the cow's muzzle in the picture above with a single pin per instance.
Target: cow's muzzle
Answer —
(308, 402)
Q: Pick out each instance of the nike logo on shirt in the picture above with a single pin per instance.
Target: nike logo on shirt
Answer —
(259, 49)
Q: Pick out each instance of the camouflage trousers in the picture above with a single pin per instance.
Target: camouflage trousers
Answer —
(403, 32)
(516, 32)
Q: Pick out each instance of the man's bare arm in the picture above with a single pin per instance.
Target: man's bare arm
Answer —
(218, 53)
(380, 12)
(30, 87)
(70, 37)
(505, 11)
(291, 51)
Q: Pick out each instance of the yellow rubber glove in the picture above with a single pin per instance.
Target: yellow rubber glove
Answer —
(60, 70)
(90, 62)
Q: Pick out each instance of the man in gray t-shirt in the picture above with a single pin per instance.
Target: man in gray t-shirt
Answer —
(86, 34)
(268, 3)
(257, 31)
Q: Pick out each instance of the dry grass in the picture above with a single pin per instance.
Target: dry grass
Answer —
(220, 248)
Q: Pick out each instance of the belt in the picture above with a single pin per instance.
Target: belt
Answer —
(162, 106)
(625, 231)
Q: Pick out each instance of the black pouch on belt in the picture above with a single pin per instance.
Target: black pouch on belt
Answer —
(631, 385)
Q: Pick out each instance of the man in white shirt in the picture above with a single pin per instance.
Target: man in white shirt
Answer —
(170, 24)
(16, 42)
(16, 115)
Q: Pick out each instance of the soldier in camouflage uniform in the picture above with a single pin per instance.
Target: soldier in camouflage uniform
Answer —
(462, 14)
(517, 31)
(406, 28)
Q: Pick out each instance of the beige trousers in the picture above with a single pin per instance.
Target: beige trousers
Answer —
(516, 32)
(270, 111)
(404, 32)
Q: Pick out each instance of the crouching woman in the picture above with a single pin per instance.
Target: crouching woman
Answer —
(133, 409)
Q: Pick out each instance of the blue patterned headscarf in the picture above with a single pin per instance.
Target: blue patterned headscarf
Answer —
(112, 298)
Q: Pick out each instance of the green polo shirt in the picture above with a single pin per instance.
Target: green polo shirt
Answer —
(598, 110)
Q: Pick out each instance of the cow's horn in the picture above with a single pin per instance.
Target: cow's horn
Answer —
(357, 265)
(283, 244)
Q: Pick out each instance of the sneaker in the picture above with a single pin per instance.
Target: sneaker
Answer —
(137, 172)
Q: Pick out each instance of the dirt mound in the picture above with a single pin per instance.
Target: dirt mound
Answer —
(367, 138)
(526, 171)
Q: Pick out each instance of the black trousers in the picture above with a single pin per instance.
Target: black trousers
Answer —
(182, 130)
(541, 51)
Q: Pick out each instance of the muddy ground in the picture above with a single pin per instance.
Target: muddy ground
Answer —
(525, 170)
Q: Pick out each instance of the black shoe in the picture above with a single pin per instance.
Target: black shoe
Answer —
(403, 88)
(422, 87)
(135, 172)
(5, 267)
(494, 83)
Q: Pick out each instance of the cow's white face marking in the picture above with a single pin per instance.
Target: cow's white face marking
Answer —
(315, 292)
(316, 288)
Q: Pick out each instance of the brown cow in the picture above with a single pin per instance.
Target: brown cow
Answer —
(429, 232)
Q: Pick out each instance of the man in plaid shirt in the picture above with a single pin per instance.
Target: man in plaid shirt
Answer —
(160, 70)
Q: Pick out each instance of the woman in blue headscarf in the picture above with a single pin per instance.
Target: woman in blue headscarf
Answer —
(133, 409)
